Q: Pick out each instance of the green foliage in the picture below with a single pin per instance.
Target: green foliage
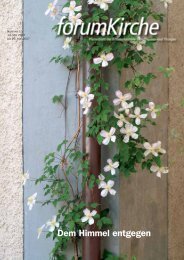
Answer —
(110, 256)
(67, 168)
(104, 221)
(58, 99)
(58, 171)
(67, 61)
(166, 71)
(138, 82)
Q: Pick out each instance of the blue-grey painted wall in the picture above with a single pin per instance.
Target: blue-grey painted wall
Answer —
(112, 202)
(43, 124)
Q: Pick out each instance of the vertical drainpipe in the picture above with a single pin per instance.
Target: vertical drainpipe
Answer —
(91, 245)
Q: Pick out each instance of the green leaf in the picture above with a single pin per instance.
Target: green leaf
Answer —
(57, 99)
(106, 221)
(139, 156)
(124, 152)
(94, 205)
(166, 71)
(99, 139)
(158, 161)
(104, 212)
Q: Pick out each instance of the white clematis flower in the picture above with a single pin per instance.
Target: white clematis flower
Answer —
(127, 108)
(122, 99)
(150, 149)
(107, 188)
(85, 95)
(103, 4)
(52, 10)
(152, 110)
(129, 131)
(104, 59)
(52, 224)
(166, 3)
(31, 201)
(153, 149)
(75, 19)
(121, 120)
(72, 8)
(86, 106)
(108, 136)
(139, 44)
(88, 216)
(67, 42)
(54, 13)
(138, 116)
(159, 170)
(111, 166)
(101, 178)
(159, 148)
(85, 99)
(25, 177)
(39, 231)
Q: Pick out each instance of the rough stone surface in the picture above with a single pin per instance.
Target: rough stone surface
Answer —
(176, 133)
(11, 205)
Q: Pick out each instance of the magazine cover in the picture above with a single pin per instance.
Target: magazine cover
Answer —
(91, 130)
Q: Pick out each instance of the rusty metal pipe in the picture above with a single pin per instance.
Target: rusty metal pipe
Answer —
(91, 245)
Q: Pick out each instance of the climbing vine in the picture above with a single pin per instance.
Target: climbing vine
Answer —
(118, 123)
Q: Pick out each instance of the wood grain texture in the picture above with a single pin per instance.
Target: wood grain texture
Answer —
(143, 203)
(176, 133)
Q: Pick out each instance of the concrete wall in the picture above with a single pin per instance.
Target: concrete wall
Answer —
(11, 200)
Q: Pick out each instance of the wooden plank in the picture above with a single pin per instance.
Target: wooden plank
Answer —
(143, 203)
(176, 133)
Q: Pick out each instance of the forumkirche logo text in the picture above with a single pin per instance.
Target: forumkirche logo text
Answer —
(116, 27)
